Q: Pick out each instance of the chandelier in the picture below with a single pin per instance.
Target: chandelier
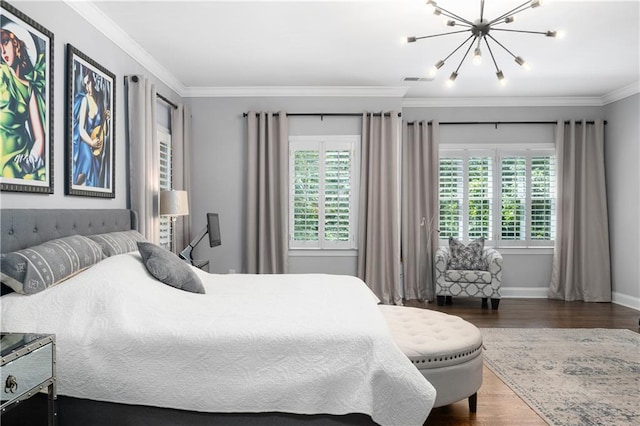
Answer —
(480, 30)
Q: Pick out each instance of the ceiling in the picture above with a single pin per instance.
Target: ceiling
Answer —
(306, 46)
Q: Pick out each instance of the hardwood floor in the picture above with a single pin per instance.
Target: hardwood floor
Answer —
(497, 404)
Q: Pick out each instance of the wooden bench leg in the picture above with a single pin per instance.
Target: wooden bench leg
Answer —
(473, 402)
(448, 300)
(440, 300)
(495, 303)
(485, 305)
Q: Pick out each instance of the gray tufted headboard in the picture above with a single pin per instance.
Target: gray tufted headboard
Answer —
(21, 228)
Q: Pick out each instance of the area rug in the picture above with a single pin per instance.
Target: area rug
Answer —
(570, 376)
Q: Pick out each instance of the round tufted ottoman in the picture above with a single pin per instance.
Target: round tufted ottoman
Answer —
(446, 349)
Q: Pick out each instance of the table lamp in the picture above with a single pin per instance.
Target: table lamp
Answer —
(174, 204)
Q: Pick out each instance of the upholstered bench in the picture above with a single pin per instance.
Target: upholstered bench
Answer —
(446, 349)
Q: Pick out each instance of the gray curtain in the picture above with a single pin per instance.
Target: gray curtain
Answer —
(379, 207)
(581, 263)
(144, 155)
(181, 169)
(265, 247)
(420, 165)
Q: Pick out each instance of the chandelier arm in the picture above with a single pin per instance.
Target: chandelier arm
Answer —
(501, 45)
(520, 31)
(524, 6)
(491, 53)
(441, 34)
(465, 53)
(454, 16)
(457, 48)
(481, 10)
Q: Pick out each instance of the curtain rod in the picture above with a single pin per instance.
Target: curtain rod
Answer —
(495, 123)
(328, 114)
(166, 101)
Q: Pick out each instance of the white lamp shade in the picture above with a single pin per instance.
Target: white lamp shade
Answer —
(174, 203)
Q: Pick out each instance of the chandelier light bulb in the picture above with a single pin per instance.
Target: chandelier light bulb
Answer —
(551, 33)
(536, 3)
(450, 23)
(437, 11)
(434, 69)
(411, 39)
(477, 56)
(501, 79)
(509, 19)
(452, 79)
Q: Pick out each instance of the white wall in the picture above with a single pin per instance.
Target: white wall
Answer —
(68, 27)
(622, 156)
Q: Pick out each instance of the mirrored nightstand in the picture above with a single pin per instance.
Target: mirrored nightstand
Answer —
(28, 365)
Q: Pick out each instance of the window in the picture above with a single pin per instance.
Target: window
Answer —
(323, 191)
(164, 138)
(505, 195)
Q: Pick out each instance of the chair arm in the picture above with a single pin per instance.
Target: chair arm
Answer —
(494, 261)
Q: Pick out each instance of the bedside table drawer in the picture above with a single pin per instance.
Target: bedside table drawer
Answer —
(26, 373)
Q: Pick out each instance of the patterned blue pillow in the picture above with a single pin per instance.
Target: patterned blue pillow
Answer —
(467, 258)
(34, 269)
(120, 242)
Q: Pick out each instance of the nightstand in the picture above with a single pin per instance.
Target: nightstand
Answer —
(28, 366)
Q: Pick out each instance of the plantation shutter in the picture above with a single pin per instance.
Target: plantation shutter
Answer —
(165, 184)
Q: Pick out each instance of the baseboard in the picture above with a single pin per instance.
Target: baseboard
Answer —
(524, 292)
(625, 300)
(541, 293)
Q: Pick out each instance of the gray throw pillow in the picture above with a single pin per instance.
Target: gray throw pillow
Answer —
(467, 258)
(34, 269)
(168, 268)
(119, 242)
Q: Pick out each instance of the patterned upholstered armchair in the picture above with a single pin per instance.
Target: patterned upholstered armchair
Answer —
(469, 283)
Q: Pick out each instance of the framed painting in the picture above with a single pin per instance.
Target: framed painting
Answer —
(90, 149)
(26, 103)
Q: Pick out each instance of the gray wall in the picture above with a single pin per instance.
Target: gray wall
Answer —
(219, 137)
(622, 156)
(68, 27)
(219, 155)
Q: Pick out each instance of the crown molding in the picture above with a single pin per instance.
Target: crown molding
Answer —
(529, 101)
(621, 93)
(93, 15)
(296, 91)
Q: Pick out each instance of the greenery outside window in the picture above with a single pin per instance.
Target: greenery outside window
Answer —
(323, 191)
(506, 195)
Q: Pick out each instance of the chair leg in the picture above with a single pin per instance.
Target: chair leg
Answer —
(448, 300)
(440, 300)
(485, 304)
(473, 402)
(495, 303)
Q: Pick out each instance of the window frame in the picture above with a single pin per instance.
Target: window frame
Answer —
(498, 152)
(322, 144)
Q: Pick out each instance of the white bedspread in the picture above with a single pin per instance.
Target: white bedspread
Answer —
(304, 344)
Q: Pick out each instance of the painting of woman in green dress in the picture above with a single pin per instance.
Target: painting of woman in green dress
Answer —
(24, 95)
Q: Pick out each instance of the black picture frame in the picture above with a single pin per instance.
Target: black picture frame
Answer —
(26, 153)
(90, 127)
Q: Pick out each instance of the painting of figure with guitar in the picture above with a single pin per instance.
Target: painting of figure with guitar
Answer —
(91, 106)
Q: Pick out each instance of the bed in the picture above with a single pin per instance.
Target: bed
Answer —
(274, 349)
